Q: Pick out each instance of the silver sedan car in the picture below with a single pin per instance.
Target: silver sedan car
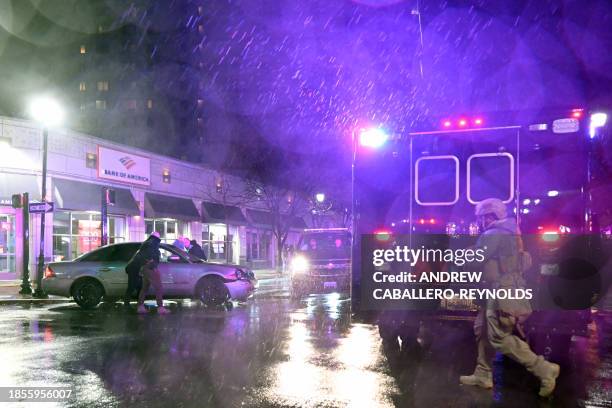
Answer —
(100, 274)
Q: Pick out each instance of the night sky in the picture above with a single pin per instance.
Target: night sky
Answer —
(293, 79)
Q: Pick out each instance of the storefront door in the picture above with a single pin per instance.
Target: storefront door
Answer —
(7, 245)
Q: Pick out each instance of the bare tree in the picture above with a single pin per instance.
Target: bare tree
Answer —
(284, 205)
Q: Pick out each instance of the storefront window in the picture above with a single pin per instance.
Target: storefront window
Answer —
(217, 245)
(169, 229)
(258, 245)
(7, 243)
(75, 233)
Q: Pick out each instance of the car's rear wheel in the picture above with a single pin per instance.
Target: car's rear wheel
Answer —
(212, 291)
(87, 293)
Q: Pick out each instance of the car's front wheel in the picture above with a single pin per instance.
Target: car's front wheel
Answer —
(212, 291)
(87, 293)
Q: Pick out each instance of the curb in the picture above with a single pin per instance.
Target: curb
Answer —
(18, 301)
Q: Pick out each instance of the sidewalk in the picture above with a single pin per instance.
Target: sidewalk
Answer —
(9, 295)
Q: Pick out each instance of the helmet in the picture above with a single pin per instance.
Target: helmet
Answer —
(493, 206)
(155, 234)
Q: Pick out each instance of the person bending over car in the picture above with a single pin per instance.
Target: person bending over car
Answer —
(196, 250)
(149, 251)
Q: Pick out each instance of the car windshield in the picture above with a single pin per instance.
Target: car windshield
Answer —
(326, 245)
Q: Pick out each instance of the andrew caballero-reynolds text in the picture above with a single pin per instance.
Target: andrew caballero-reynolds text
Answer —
(397, 285)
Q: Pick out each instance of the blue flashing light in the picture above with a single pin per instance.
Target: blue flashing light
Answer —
(374, 137)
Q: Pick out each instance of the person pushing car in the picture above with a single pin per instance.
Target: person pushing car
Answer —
(148, 255)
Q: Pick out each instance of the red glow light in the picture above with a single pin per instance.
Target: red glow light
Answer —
(478, 121)
(382, 235)
(447, 123)
(422, 221)
(462, 122)
(577, 113)
(432, 221)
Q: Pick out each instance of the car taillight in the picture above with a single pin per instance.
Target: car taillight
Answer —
(49, 273)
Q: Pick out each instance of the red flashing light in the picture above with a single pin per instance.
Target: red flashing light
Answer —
(382, 235)
(462, 122)
(577, 113)
(422, 221)
(432, 221)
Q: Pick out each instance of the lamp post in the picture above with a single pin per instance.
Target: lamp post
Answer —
(48, 113)
(362, 139)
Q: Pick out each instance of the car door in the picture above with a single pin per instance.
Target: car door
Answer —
(99, 263)
(174, 268)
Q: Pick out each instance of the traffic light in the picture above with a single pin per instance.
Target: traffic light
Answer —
(17, 200)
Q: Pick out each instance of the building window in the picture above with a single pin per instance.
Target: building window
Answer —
(100, 104)
(83, 49)
(75, 233)
(7, 243)
(82, 86)
(91, 160)
(103, 86)
(169, 229)
(258, 246)
(150, 103)
(217, 245)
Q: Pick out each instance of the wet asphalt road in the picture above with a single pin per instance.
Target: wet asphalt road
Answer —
(269, 352)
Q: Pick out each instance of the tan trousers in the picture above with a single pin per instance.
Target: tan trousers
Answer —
(492, 335)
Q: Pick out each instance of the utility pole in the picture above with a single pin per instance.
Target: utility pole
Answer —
(104, 217)
(26, 289)
(38, 293)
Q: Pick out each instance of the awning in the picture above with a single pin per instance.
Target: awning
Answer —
(218, 213)
(163, 206)
(265, 218)
(258, 217)
(80, 196)
(18, 183)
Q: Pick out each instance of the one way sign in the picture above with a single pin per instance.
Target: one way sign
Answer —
(41, 207)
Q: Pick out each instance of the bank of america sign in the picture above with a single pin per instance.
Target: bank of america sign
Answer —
(124, 167)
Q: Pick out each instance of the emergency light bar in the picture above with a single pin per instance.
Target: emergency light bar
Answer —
(462, 123)
(325, 229)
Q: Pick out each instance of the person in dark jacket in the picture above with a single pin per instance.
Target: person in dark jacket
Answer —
(196, 250)
(133, 271)
(149, 250)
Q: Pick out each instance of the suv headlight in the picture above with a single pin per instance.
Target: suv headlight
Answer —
(299, 265)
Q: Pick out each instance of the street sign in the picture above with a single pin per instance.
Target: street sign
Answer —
(41, 207)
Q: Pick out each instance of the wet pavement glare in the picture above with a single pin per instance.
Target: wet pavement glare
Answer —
(269, 352)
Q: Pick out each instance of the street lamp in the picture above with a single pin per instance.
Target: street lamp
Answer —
(48, 112)
(373, 137)
(320, 197)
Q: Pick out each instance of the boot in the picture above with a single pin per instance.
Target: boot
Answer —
(479, 378)
(547, 373)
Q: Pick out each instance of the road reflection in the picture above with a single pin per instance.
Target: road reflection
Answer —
(270, 353)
